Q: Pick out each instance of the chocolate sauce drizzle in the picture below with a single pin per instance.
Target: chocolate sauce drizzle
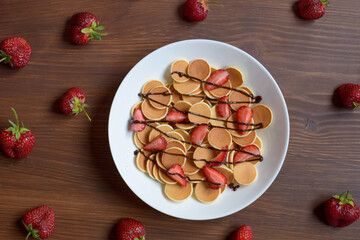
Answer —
(255, 126)
(233, 186)
(167, 172)
(182, 74)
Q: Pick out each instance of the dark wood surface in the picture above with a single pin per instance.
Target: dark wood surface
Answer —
(71, 168)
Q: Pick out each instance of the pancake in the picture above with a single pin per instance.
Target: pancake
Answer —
(262, 114)
(219, 138)
(175, 95)
(180, 66)
(187, 87)
(152, 113)
(245, 173)
(175, 143)
(143, 136)
(199, 68)
(258, 142)
(164, 128)
(203, 153)
(176, 192)
(168, 159)
(192, 100)
(158, 100)
(136, 105)
(214, 114)
(189, 166)
(220, 92)
(247, 140)
(183, 106)
(235, 77)
(149, 85)
(236, 133)
(186, 137)
(205, 194)
(235, 96)
(202, 109)
(137, 142)
(141, 161)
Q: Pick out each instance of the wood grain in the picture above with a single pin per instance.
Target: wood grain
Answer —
(71, 168)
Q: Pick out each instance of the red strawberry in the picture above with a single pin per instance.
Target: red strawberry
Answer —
(341, 211)
(249, 152)
(312, 9)
(220, 158)
(15, 51)
(39, 222)
(242, 233)
(196, 10)
(83, 27)
(223, 107)
(198, 134)
(157, 144)
(219, 77)
(350, 95)
(73, 102)
(244, 116)
(176, 116)
(214, 176)
(173, 172)
(16, 141)
(130, 229)
(138, 116)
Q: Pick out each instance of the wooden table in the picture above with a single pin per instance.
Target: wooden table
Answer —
(71, 168)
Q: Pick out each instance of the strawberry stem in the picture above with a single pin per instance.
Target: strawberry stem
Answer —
(27, 237)
(87, 115)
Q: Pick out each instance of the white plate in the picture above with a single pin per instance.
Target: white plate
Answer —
(156, 65)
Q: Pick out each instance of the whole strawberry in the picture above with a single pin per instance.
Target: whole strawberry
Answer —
(16, 141)
(341, 211)
(130, 229)
(73, 102)
(39, 222)
(196, 10)
(312, 9)
(242, 233)
(350, 95)
(83, 27)
(15, 51)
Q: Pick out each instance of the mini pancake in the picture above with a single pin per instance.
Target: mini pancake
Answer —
(163, 99)
(258, 142)
(156, 175)
(175, 143)
(186, 137)
(183, 106)
(176, 135)
(235, 96)
(232, 126)
(214, 114)
(177, 193)
(180, 66)
(165, 178)
(247, 140)
(137, 142)
(158, 161)
(235, 77)
(207, 93)
(144, 134)
(230, 159)
(168, 159)
(203, 153)
(152, 113)
(187, 87)
(199, 68)
(219, 138)
(175, 95)
(198, 91)
(247, 89)
(220, 92)
(150, 165)
(197, 177)
(262, 114)
(136, 105)
(192, 100)
(206, 194)
(202, 109)
(156, 132)
(149, 85)
(245, 173)
(229, 174)
(141, 161)
(189, 166)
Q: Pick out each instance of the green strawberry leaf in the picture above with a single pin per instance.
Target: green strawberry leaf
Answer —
(99, 28)
(86, 30)
(96, 36)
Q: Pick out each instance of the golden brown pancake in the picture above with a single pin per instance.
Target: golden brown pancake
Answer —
(245, 173)
(180, 66)
(220, 92)
(168, 159)
(246, 140)
(201, 109)
(239, 97)
(176, 192)
(151, 84)
(203, 153)
(219, 138)
(206, 194)
(199, 68)
(152, 113)
(163, 128)
(235, 77)
(189, 166)
(262, 114)
(158, 100)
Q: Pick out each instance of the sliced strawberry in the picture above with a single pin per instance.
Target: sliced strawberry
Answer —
(214, 176)
(223, 107)
(249, 152)
(219, 77)
(176, 173)
(138, 116)
(176, 116)
(158, 144)
(198, 134)
(220, 158)
(244, 116)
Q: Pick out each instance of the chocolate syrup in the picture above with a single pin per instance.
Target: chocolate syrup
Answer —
(210, 118)
(233, 186)
(181, 74)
